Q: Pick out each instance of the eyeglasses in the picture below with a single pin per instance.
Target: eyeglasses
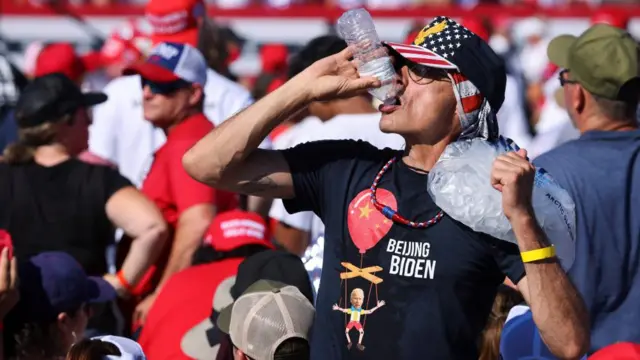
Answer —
(563, 76)
(164, 88)
(421, 74)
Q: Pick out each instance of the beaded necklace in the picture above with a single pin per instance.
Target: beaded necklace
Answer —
(393, 215)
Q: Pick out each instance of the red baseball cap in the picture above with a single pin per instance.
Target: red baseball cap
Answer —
(619, 351)
(175, 20)
(477, 26)
(128, 43)
(617, 20)
(119, 51)
(62, 58)
(232, 229)
(274, 57)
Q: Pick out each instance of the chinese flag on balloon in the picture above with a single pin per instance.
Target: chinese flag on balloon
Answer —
(367, 225)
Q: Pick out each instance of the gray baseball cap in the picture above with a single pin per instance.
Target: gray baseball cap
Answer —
(267, 314)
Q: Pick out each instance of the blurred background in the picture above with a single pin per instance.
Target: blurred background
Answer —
(86, 23)
(260, 35)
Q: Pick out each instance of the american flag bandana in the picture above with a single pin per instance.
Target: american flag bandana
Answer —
(475, 113)
(440, 45)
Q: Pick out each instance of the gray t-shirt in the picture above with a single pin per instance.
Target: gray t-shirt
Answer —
(601, 171)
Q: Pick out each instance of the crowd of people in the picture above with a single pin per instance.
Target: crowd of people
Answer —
(156, 205)
(343, 4)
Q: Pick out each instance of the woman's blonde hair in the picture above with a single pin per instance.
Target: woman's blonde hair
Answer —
(490, 341)
(29, 139)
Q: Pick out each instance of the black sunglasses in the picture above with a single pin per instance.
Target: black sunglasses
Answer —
(564, 78)
(419, 73)
(164, 88)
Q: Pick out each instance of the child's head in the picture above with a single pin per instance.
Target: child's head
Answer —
(357, 297)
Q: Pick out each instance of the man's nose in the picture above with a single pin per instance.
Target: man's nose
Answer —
(146, 92)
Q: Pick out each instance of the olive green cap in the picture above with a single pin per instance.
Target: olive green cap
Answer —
(602, 60)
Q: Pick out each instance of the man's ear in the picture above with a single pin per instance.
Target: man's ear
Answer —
(64, 322)
(578, 98)
(196, 96)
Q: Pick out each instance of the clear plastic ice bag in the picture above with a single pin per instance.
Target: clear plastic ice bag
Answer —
(460, 185)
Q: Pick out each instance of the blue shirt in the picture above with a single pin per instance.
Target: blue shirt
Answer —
(601, 171)
(8, 128)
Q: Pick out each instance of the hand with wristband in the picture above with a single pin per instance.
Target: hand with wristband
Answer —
(123, 287)
(558, 309)
(513, 175)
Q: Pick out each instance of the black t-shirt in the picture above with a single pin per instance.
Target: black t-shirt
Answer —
(60, 208)
(438, 283)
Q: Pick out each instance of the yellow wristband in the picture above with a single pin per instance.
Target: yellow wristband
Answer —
(538, 254)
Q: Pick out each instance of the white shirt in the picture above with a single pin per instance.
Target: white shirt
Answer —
(342, 127)
(511, 118)
(120, 133)
(533, 59)
(306, 220)
(554, 127)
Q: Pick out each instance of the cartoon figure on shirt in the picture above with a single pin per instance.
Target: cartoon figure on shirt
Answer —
(357, 297)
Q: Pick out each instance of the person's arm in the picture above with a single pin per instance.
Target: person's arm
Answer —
(338, 308)
(228, 157)
(259, 205)
(557, 308)
(140, 219)
(196, 207)
(192, 225)
(372, 310)
(195, 204)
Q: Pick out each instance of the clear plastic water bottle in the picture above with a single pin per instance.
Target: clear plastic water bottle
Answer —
(356, 27)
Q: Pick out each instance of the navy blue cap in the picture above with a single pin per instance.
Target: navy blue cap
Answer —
(520, 338)
(54, 282)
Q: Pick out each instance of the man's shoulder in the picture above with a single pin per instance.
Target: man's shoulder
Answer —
(218, 84)
(565, 151)
(191, 130)
(339, 160)
(343, 149)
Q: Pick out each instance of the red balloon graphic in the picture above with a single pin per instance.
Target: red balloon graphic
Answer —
(367, 225)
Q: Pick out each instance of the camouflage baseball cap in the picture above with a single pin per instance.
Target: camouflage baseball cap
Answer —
(602, 60)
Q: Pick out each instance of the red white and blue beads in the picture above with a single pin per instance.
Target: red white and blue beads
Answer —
(392, 214)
